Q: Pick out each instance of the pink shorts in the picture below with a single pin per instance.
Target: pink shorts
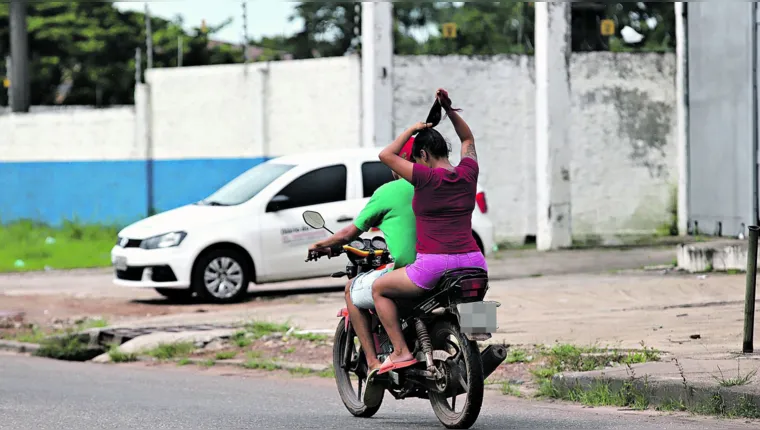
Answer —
(427, 269)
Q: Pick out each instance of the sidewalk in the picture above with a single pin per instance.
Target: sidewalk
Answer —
(683, 315)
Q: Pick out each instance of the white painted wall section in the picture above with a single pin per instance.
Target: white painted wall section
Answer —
(377, 73)
(553, 105)
(70, 135)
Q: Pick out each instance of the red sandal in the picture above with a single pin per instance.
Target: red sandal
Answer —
(389, 365)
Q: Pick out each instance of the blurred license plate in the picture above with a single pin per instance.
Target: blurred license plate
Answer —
(478, 317)
(120, 263)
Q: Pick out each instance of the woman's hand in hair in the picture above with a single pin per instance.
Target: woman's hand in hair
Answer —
(421, 126)
(443, 98)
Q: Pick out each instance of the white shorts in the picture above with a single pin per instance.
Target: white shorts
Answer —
(361, 287)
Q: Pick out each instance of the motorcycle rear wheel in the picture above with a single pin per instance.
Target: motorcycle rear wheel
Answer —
(448, 337)
(351, 398)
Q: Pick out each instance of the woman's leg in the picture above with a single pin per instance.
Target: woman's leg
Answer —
(395, 284)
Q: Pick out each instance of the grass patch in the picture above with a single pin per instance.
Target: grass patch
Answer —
(208, 363)
(118, 356)
(737, 381)
(69, 348)
(226, 355)
(716, 405)
(260, 329)
(601, 393)
(27, 245)
(257, 363)
(183, 361)
(289, 350)
(168, 351)
(571, 358)
(517, 356)
(242, 339)
(510, 390)
(311, 337)
(327, 373)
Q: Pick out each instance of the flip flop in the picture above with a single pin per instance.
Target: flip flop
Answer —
(389, 365)
(373, 392)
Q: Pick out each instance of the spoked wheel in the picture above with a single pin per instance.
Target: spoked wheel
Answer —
(351, 372)
(459, 406)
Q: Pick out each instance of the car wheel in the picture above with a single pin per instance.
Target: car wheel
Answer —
(221, 276)
(174, 294)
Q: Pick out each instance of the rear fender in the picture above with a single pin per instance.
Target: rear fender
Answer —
(343, 313)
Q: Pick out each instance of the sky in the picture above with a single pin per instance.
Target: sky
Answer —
(265, 17)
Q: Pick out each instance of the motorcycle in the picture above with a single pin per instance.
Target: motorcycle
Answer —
(450, 363)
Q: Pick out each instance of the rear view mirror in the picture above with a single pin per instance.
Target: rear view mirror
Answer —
(313, 219)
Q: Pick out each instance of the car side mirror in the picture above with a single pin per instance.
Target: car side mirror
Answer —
(277, 202)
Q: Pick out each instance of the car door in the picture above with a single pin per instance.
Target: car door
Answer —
(286, 238)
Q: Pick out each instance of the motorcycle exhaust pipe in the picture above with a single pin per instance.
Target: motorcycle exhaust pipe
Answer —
(492, 357)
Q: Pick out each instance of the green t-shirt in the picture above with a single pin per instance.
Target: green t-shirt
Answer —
(390, 210)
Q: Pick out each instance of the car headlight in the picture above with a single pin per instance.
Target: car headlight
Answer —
(167, 240)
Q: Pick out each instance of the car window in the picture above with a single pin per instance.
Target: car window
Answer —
(375, 174)
(325, 185)
(247, 185)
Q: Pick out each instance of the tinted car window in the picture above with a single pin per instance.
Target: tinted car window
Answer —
(325, 185)
(375, 174)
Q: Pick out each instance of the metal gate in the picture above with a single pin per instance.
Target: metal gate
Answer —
(722, 129)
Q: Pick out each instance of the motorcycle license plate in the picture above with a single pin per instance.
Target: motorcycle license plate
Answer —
(477, 317)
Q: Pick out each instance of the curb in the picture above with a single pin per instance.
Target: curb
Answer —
(20, 347)
(663, 392)
(281, 365)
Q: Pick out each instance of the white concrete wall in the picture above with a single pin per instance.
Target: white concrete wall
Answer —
(622, 128)
(70, 135)
(234, 111)
(622, 134)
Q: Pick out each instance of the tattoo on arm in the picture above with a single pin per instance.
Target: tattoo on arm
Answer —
(469, 151)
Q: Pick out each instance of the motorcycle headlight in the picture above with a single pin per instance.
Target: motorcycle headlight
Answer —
(167, 240)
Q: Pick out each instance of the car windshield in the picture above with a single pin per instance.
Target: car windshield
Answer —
(247, 185)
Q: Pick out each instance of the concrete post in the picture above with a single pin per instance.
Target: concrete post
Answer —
(377, 74)
(553, 152)
(682, 132)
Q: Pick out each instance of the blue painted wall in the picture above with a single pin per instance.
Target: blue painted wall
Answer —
(110, 192)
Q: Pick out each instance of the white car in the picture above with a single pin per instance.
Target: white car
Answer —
(252, 230)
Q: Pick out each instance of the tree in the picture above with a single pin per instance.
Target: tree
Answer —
(83, 52)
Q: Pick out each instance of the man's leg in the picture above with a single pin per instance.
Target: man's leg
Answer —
(360, 320)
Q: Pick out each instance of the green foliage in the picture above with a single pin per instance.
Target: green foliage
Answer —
(168, 351)
(72, 245)
(83, 52)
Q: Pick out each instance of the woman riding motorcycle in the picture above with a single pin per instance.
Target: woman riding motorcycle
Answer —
(444, 199)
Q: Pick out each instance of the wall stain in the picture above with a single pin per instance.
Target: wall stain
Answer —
(643, 123)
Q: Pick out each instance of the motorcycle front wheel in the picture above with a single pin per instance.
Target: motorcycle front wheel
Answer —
(463, 376)
(351, 371)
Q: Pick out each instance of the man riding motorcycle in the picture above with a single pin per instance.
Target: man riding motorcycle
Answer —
(390, 210)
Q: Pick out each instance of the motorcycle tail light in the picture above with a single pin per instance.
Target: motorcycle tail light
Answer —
(480, 199)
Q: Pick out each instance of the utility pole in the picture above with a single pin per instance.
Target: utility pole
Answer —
(180, 51)
(148, 37)
(19, 74)
(245, 32)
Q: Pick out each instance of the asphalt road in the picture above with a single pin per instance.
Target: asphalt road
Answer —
(44, 394)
